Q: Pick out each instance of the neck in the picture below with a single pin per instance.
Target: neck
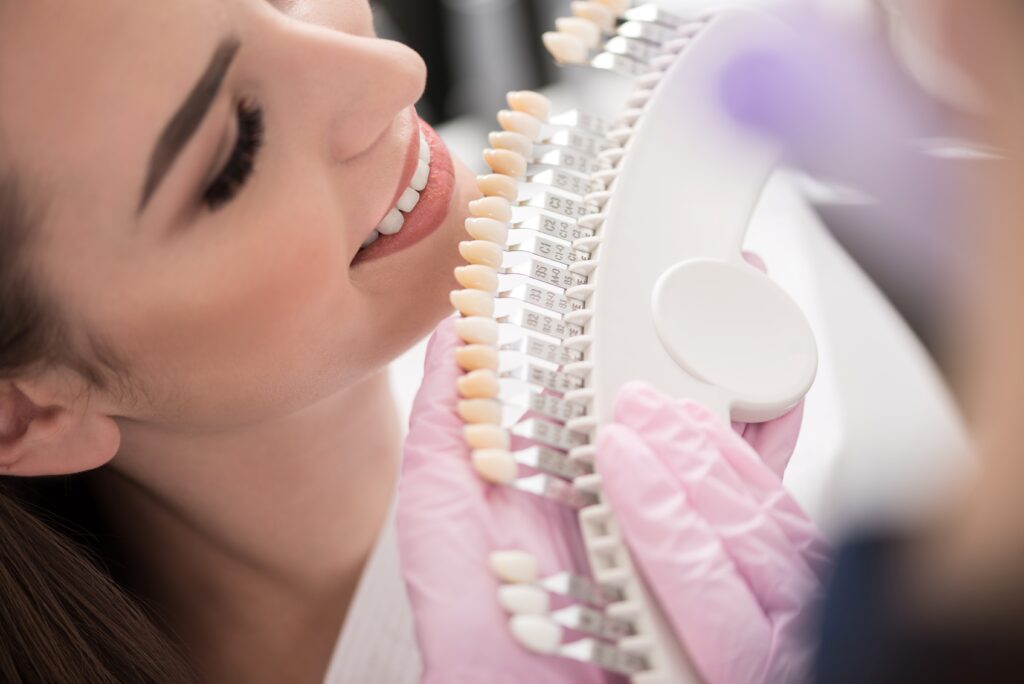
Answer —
(253, 542)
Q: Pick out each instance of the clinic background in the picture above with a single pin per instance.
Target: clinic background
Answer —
(882, 436)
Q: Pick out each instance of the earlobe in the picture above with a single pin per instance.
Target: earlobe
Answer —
(56, 439)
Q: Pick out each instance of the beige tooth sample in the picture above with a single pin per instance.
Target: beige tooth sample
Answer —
(495, 465)
(584, 29)
(514, 567)
(506, 162)
(524, 599)
(487, 229)
(565, 48)
(480, 384)
(473, 357)
(498, 185)
(618, 7)
(596, 12)
(477, 277)
(520, 122)
(477, 330)
(536, 632)
(497, 208)
(473, 302)
(510, 140)
(530, 102)
(479, 411)
(487, 437)
(482, 252)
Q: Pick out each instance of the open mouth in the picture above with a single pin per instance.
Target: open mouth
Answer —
(395, 218)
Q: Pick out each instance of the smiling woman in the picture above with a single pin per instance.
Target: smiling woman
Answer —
(220, 221)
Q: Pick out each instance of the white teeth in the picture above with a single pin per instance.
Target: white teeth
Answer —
(370, 240)
(419, 180)
(424, 149)
(408, 201)
(392, 223)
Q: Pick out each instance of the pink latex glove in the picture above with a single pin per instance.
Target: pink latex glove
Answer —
(449, 521)
(733, 560)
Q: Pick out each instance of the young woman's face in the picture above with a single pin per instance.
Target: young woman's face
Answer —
(207, 171)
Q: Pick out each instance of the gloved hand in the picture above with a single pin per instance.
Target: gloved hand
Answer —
(449, 521)
(730, 556)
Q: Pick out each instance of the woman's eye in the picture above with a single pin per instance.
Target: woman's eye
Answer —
(240, 164)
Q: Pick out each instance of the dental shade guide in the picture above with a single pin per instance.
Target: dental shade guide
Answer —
(606, 251)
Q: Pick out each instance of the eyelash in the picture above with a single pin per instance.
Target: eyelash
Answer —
(240, 164)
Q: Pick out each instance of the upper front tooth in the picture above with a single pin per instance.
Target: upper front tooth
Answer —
(424, 149)
(370, 240)
(419, 179)
(392, 223)
(408, 201)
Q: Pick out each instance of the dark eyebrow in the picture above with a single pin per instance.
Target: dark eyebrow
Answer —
(186, 120)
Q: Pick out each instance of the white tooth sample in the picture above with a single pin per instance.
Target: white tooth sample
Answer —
(487, 436)
(520, 122)
(408, 201)
(523, 599)
(473, 357)
(420, 178)
(510, 140)
(424, 149)
(477, 330)
(480, 384)
(473, 302)
(487, 229)
(506, 162)
(595, 12)
(618, 7)
(497, 208)
(477, 277)
(514, 567)
(495, 466)
(392, 223)
(371, 239)
(565, 48)
(482, 252)
(530, 102)
(536, 632)
(479, 411)
(498, 185)
(584, 29)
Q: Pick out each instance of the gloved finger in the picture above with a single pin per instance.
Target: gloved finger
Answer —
(685, 438)
(704, 596)
(775, 440)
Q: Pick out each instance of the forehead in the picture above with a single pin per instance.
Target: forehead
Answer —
(85, 87)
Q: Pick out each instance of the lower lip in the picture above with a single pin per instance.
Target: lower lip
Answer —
(429, 213)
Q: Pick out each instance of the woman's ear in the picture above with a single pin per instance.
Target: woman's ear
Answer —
(43, 432)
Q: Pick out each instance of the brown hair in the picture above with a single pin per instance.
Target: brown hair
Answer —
(62, 618)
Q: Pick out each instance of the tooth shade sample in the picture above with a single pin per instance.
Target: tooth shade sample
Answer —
(618, 7)
(479, 411)
(523, 599)
(514, 567)
(487, 229)
(506, 162)
(477, 277)
(408, 201)
(510, 140)
(473, 302)
(498, 185)
(392, 223)
(477, 330)
(420, 178)
(497, 208)
(595, 12)
(473, 357)
(520, 122)
(584, 29)
(536, 632)
(495, 466)
(487, 437)
(529, 102)
(482, 252)
(480, 384)
(565, 48)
